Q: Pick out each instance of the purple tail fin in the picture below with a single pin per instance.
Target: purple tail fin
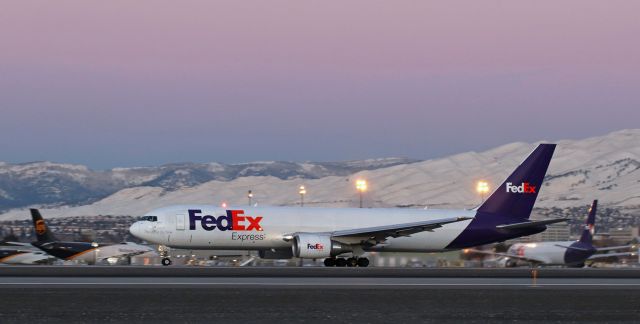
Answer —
(589, 228)
(517, 194)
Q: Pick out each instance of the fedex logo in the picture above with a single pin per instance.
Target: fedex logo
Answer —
(525, 187)
(234, 220)
(316, 246)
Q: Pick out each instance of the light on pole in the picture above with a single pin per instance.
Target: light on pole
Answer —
(249, 196)
(482, 188)
(302, 192)
(361, 186)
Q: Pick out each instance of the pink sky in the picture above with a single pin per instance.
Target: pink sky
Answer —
(151, 82)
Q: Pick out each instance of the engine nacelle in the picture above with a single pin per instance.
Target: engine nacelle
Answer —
(313, 246)
(277, 254)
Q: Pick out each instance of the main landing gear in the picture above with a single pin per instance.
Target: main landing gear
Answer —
(350, 262)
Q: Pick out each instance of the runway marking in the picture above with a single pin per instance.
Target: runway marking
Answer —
(305, 284)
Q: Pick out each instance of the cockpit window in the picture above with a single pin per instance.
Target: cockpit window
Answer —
(149, 218)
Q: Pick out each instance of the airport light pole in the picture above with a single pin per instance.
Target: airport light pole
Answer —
(361, 186)
(482, 188)
(302, 192)
(95, 246)
(249, 196)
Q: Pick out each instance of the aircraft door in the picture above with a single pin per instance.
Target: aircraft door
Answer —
(180, 222)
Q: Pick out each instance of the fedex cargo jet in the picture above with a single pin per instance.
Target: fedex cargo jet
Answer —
(286, 232)
(568, 253)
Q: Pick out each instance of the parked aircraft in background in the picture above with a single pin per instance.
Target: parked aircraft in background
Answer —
(286, 232)
(568, 253)
(80, 251)
(23, 256)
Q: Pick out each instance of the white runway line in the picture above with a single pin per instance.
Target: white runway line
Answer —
(308, 284)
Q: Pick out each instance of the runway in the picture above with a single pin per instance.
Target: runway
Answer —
(317, 283)
(301, 295)
(309, 272)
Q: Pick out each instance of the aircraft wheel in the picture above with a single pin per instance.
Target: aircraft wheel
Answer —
(341, 262)
(166, 261)
(352, 262)
(363, 262)
(329, 262)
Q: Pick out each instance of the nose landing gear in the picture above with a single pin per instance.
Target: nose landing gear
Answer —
(350, 262)
(164, 254)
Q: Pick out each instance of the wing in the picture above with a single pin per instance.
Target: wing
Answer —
(607, 255)
(379, 234)
(609, 248)
(507, 255)
(6, 243)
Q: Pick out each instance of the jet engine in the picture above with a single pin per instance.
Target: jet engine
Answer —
(314, 246)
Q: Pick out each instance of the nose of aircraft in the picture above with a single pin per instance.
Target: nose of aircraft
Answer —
(135, 230)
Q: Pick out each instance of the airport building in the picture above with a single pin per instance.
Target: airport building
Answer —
(621, 235)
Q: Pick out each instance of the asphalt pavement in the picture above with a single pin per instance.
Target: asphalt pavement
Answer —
(266, 295)
(329, 304)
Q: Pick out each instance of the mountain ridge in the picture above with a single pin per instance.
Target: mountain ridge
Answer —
(604, 167)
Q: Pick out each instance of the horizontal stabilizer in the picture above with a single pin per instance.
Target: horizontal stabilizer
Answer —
(531, 224)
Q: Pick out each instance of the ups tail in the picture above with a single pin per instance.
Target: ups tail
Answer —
(589, 228)
(43, 233)
(514, 199)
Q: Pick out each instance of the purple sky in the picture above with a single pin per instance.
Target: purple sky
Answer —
(145, 82)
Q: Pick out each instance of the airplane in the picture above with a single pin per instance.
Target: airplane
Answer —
(567, 253)
(329, 233)
(90, 253)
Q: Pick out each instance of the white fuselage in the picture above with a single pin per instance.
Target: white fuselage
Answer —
(266, 227)
(121, 250)
(103, 252)
(551, 253)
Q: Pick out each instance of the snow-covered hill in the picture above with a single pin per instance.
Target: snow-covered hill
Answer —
(605, 167)
(55, 184)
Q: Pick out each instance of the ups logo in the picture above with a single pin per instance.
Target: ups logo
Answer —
(41, 228)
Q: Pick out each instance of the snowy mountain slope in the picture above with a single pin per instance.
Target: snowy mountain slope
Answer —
(604, 167)
(54, 184)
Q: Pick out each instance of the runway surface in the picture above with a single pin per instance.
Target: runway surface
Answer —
(308, 272)
(316, 283)
(379, 296)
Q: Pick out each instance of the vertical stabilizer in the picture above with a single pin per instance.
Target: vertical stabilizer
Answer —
(43, 233)
(589, 228)
(517, 194)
